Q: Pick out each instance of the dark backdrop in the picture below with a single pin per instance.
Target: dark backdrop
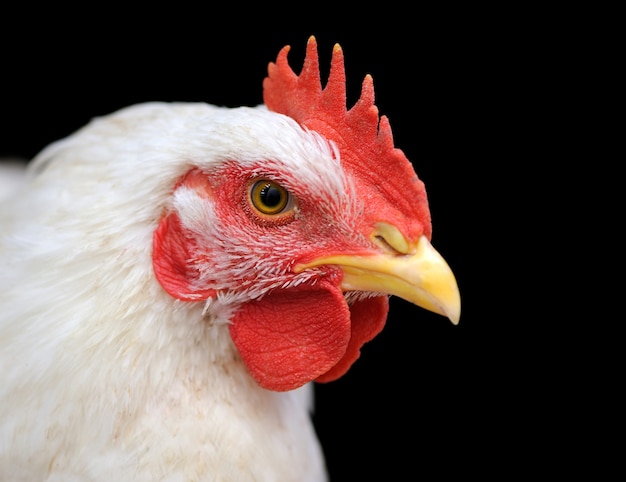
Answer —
(426, 396)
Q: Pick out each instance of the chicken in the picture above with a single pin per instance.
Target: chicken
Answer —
(175, 277)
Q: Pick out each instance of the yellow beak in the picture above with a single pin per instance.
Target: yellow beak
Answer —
(418, 274)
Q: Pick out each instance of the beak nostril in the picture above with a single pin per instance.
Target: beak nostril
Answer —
(382, 242)
(391, 239)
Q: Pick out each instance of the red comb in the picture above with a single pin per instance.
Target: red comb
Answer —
(302, 98)
(364, 140)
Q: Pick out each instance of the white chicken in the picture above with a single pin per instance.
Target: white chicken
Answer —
(174, 276)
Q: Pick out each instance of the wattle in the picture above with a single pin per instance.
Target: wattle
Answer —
(293, 336)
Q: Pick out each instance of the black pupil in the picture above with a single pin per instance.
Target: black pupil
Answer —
(271, 196)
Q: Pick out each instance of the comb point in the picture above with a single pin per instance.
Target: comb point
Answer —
(359, 133)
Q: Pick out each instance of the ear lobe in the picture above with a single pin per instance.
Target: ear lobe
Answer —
(170, 261)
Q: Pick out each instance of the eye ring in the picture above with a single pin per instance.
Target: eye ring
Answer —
(268, 198)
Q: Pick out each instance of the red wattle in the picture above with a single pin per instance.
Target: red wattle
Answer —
(368, 318)
(291, 336)
(296, 335)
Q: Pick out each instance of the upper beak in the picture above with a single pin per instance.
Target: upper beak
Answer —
(417, 273)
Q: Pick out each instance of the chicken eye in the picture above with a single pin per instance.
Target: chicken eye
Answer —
(269, 198)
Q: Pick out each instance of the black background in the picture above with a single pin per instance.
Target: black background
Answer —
(426, 397)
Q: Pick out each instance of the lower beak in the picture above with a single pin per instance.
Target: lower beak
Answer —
(420, 276)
